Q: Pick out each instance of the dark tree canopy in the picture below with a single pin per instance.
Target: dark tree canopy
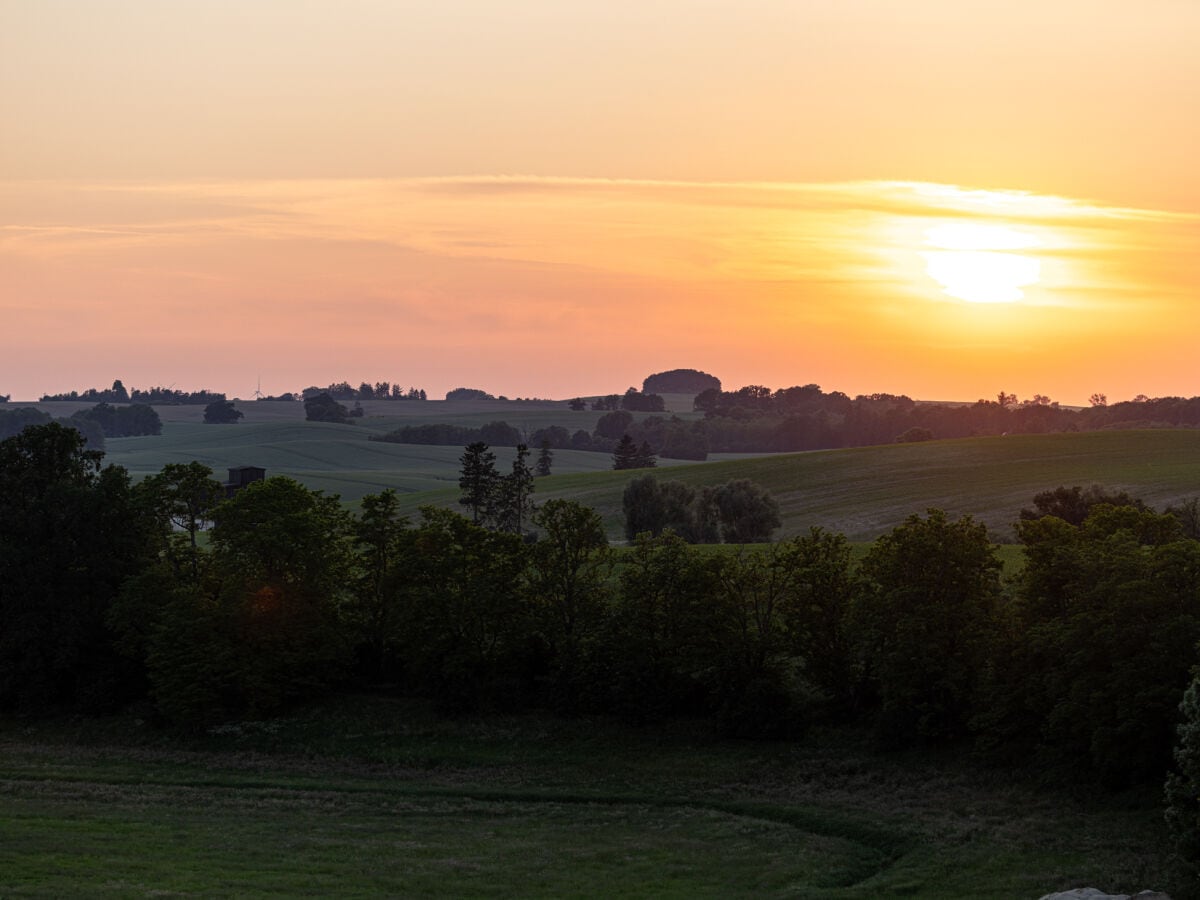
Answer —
(638, 402)
(463, 393)
(680, 381)
(747, 512)
(14, 421)
(614, 424)
(652, 507)
(70, 533)
(926, 627)
(222, 412)
(1074, 504)
(124, 421)
(323, 408)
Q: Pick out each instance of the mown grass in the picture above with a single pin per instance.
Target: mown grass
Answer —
(369, 796)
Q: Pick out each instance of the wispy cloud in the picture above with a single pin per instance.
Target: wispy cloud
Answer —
(744, 269)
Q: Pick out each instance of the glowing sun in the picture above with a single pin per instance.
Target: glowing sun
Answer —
(976, 263)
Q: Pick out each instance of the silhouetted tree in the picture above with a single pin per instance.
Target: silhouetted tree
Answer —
(645, 458)
(184, 494)
(626, 454)
(513, 503)
(478, 480)
(545, 460)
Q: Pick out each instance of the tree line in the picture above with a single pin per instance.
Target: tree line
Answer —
(118, 393)
(1075, 666)
(758, 419)
(343, 390)
(95, 424)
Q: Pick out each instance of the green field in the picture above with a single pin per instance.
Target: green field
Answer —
(860, 492)
(371, 796)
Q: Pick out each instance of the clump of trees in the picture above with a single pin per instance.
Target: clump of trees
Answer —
(14, 421)
(628, 455)
(636, 401)
(497, 434)
(343, 390)
(102, 420)
(122, 421)
(500, 502)
(222, 412)
(323, 408)
(737, 512)
(680, 381)
(463, 393)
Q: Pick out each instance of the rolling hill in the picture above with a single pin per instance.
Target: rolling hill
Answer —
(861, 492)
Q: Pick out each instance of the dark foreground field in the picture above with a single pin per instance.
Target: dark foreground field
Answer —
(379, 797)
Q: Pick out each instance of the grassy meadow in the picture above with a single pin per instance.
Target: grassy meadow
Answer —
(861, 492)
(374, 796)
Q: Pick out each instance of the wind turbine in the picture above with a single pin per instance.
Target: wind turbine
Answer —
(258, 394)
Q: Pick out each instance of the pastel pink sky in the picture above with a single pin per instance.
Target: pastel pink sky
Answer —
(559, 198)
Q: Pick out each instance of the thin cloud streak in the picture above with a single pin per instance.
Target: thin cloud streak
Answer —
(765, 282)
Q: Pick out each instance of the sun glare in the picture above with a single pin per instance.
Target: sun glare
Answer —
(975, 263)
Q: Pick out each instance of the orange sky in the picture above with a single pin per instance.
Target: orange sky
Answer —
(559, 198)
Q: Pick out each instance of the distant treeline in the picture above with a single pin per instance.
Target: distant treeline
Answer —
(95, 424)
(343, 390)
(671, 438)
(1076, 667)
(496, 434)
(119, 394)
(632, 400)
(758, 419)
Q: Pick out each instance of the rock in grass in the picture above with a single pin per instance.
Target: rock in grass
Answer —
(1090, 893)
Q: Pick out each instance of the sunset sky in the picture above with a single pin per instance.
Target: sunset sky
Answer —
(944, 199)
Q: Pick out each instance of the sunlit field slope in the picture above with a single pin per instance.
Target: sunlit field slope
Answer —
(866, 491)
(340, 458)
(861, 492)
